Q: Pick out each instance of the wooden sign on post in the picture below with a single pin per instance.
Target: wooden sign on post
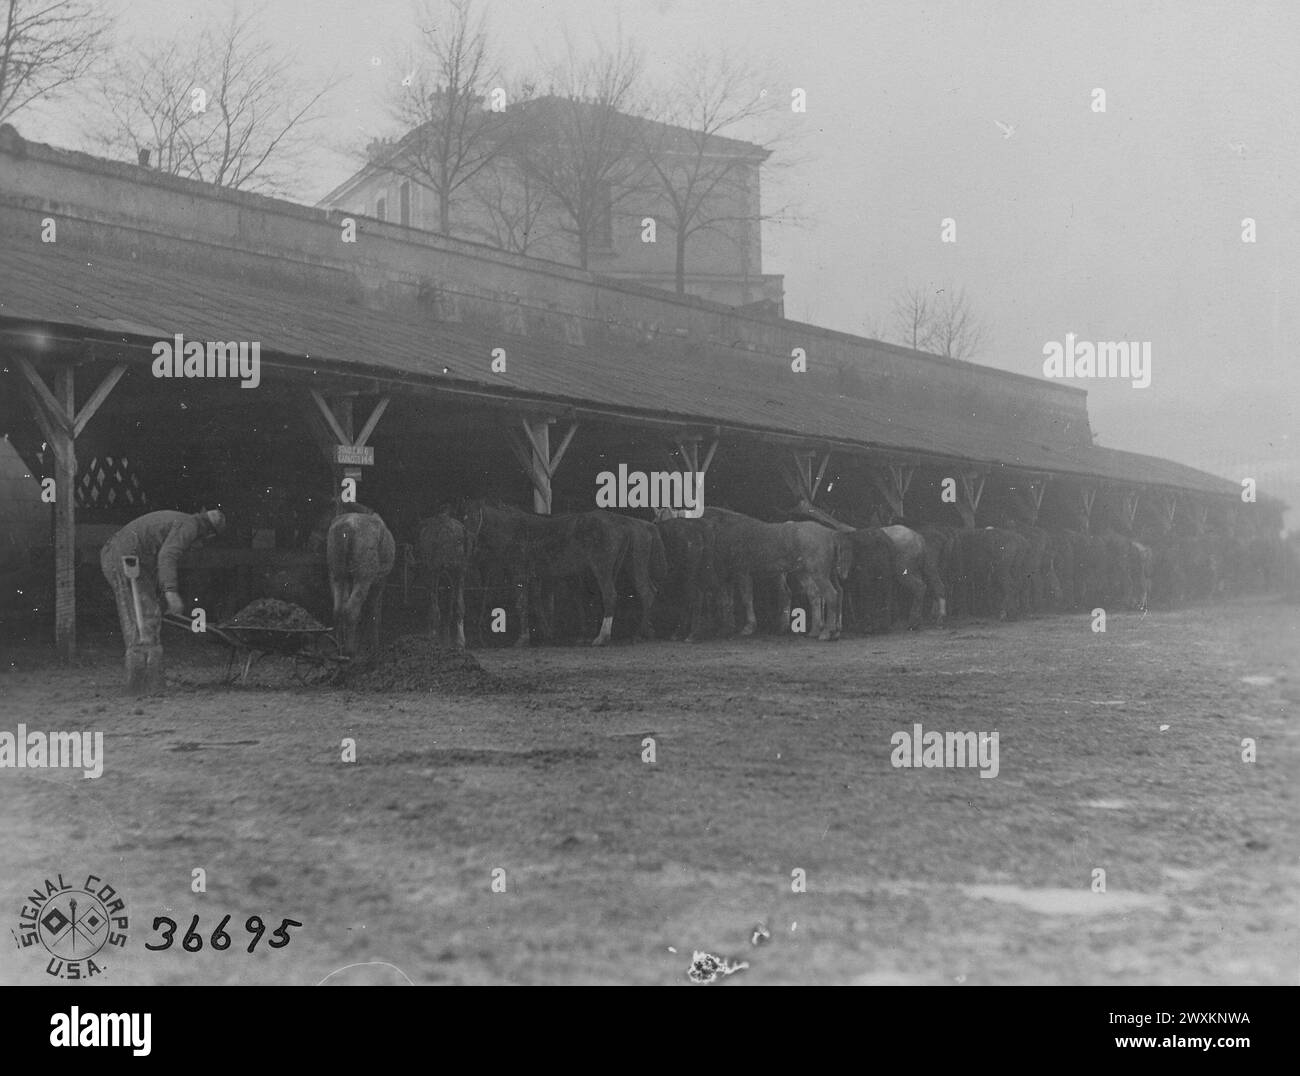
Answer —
(354, 455)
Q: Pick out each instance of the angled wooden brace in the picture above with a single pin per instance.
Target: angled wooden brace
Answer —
(970, 491)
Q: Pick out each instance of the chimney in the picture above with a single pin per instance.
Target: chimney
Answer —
(144, 158)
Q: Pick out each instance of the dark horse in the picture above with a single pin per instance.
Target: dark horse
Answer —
(549, 548)
(443, 557)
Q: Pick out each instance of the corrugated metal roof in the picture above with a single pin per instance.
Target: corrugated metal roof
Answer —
(673, 378)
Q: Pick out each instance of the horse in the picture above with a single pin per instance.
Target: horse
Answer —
(816, 555)
(689, 545)
(876, 568)
(443, 557)
(647, 561)
(360, 552)
(537, 548)
(998, 561)
(918, 572)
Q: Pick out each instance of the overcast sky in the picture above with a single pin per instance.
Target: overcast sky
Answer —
(1117, 226)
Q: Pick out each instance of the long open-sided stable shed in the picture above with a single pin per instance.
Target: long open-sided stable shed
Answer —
(469, 371)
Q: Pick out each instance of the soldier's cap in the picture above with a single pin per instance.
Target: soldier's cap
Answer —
(218, 520)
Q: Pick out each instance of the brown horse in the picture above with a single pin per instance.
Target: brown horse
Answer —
(443, 558)
(689, 547)
(360, 552)
(647, 561)
(532, 548)
(816, 555)
(877, 567)
(918, 572)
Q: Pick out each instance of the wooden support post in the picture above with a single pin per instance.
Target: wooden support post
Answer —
(802, 482)
(892, 481)
(1034, 486)
(538, 433)
(1087, 497)
(341, 407)
(1167, 503)
(688, 444)
(60, 422)
(533, 451)
(970, 491)
(65, 520)
(796, 471)
(1130, 507)
(332, 423)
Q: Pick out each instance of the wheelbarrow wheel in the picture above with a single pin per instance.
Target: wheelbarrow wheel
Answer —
(312, 669)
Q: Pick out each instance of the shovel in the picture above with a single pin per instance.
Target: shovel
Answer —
(131, 569)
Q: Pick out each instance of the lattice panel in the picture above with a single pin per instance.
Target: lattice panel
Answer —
(108, 482)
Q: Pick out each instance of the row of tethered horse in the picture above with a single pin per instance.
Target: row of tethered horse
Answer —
(701, 573)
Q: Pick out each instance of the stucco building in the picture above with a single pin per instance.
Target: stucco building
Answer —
(503, 206)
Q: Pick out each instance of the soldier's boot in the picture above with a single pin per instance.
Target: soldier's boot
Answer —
(137, 661)
(155, 683)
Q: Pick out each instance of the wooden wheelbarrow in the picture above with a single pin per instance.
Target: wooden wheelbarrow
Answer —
(314, 651)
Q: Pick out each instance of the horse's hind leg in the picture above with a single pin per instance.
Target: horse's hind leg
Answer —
(375, 604)
(935, 589)
(435, 610)
(609, 603)
(916, 587)
(519, 581)
(746, 584)
(783, 593)
(694, 609)
(458, 605)
(339, 591)
(834, 599)
(645, 592)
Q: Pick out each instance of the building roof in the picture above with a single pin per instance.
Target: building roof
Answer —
(666, 377)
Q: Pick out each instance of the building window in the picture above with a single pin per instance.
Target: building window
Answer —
(381, 208)
(404, 199)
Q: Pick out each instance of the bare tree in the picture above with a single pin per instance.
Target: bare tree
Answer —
(703, 177)
(937, 320)
(580, 146)
(912, 314)
(222, 106)
(958, 332)
(875, 328)
(451, 131)
(44, 46)
(517, 212)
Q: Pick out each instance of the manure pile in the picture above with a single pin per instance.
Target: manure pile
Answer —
(415, 663)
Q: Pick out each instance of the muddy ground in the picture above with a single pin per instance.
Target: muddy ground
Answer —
(1118, 751)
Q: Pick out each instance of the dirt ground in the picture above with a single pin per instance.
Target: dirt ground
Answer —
(1118, 751)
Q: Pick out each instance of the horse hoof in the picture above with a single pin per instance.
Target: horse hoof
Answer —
(599, 641)
(748, 629)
